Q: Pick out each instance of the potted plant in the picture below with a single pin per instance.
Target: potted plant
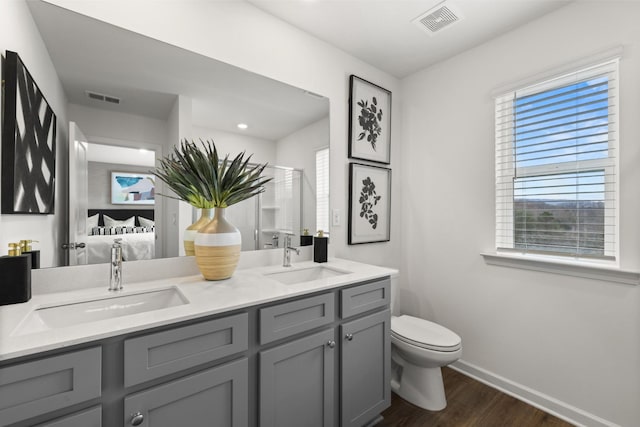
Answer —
(199, 177)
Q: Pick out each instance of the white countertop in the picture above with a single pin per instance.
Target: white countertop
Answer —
(247, 287)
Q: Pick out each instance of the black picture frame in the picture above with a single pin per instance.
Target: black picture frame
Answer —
(28, 144)
(369, 204)
(369, 121)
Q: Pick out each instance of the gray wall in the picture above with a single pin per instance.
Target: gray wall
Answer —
(100, 184)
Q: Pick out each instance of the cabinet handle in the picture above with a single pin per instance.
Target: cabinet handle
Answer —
(348, 337)
(137, 419)
(331, 344)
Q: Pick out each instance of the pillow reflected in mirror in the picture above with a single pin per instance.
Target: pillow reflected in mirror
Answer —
(110, 222)
(92, 222)
(145, 222)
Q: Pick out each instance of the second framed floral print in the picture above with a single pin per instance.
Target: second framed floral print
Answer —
(369, 204)
(369, 121)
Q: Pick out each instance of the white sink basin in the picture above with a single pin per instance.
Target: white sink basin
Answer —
(292, 277)
(63, 315)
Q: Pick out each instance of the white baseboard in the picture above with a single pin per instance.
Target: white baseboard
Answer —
(534, 398)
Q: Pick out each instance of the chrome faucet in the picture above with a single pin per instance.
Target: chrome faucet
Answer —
(115, 277)
(286, 262)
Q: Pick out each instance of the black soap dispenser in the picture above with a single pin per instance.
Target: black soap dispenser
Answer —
(15, 276)
(306, 239)
(320, 247)
(27, 249)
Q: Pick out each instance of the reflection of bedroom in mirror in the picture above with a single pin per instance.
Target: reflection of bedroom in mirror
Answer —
(186, 96)
(120, 200)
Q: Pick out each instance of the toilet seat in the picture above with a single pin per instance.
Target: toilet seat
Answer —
(424, 334)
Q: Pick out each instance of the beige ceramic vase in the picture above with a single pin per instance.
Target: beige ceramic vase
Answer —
(190, 233)
(217, 247)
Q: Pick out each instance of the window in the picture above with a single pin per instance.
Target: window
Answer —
(322, 190)
(556, 167)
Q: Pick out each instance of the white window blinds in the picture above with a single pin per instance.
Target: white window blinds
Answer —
(556, 168)
(322, 190)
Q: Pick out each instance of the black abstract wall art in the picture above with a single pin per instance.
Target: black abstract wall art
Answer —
(28, 143)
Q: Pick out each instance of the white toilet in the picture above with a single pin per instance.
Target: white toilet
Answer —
(419, 349)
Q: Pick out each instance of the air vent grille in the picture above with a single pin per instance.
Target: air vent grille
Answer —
(102, 97)
(436, 19)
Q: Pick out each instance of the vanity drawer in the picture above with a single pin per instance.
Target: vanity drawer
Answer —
(156, 355)
(363, 298)
(89, 418)
(35, 388)
(283, 320)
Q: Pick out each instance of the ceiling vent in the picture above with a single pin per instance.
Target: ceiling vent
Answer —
(102, 97)
(438, 18)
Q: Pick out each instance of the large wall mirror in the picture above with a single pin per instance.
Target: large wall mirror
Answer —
(131, 98)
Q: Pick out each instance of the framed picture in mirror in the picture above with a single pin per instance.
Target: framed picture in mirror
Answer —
(28, 143)
(132, 188)
(369, 121)
(369, 204)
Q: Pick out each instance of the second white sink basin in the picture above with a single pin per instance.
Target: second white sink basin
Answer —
(63, 315)
(292, 277)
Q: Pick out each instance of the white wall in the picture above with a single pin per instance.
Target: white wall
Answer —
(18, 33)
(177, 214)
(244, 36)
(548, 336)
(263, 150)
(111, 127)
(298, 150)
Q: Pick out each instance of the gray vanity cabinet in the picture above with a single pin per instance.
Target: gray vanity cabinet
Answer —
(216, 397)
(365, 360)
(303, 380)
(297, 382)
(315, 360)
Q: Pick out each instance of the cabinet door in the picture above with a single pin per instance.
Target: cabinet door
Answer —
(296, 382)
(366, 362)
(216, 397)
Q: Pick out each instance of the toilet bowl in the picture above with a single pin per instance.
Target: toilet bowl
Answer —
(419, 349)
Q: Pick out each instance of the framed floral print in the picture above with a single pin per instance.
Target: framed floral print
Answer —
(369, 121)
(369, 204)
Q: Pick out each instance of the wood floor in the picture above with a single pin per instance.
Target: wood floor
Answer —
(469, 404)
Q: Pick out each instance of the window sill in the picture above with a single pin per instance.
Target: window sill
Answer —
(567, 268)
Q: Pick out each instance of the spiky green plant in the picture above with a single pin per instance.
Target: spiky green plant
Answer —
(200, 178)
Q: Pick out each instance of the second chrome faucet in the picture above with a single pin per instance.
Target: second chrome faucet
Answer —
(286, 261)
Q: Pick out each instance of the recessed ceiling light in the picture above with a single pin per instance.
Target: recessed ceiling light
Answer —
(242, 126)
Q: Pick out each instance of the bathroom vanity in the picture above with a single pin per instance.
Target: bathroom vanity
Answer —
(303, 346)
